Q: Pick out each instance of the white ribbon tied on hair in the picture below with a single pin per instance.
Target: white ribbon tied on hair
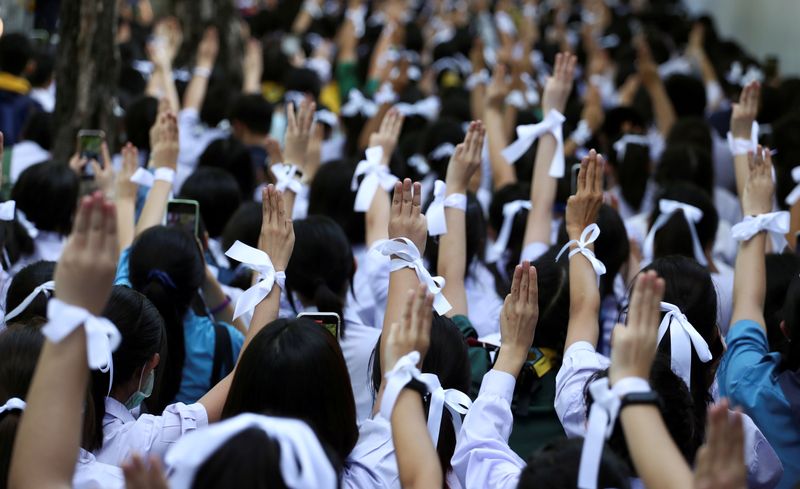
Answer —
(7, 209)
(527, 134)
(444, 150)
(480, 78)
(437, 224)
(588, 236)
(621, 146)
(304, 463)
(510, 210)
(775, 223)
(30, 227)
(692, 214)
(396, 379)
(12, 404)
(326, 117)
(358, 104)
(453, 400)
(794, 195)
(683, 338)
(259, 262)
(46, 288)
(286, 178)
(375, 174)
(427, 108)
(406, 255)
(385, 94)
(146, 179)
(739, 146)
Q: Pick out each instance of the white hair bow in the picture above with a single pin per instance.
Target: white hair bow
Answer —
(775, 223)
(794, 195)
(437, 224)
(453, 400)
(259, 262)
(444, 150)
(30, 227)
(7, 209)
(375, 174)
(358, 104)
(527, 134)
(621, 146)
(692, 214)
(46, 288)
(683, 338)
(427, 108)
(12, 404)
(510, 210)
(326, 117)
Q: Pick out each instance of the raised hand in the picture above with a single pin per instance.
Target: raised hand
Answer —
(593, 109)
(130, 162)
(164, 139)
(298, 131)
(759, 187)
(141, 475)
(720, 461)
(466, 159)
(168, 31)
(388, 134)
(253, 66)
(518, 319)
(406, 219)
(559, 85)
(208, 48)
(635, 344)
(583, 207)
(645, 65)
(104, 174)
(498, 88)
(277, 231)
(413, 332)
(85, 272)
(745, 112)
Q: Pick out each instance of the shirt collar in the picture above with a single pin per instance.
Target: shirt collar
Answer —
(115, 410)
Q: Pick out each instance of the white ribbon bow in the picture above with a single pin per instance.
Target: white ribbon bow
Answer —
(588, 236)
(453, 400)
(385, 94)
(527, 134)
(775, 223)
(510, 210)
(427, 108)
(326, 117)
(692, 214)
(286, 178)
(259, 262)
(444, 150)
(794, 195)
(146, 179)
(396, 379)
(357, 104)
(406, 255)
(739, 146)
(304, 464)
(30, 227)
(602, 418)
(683, 337)
(14, 403)
(437, 224)
(375, 174)
(419, 163)
(480, 78)
(45, 288)
(621, 146)
(7, 209)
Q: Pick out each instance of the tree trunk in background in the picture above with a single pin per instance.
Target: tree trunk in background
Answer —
(195, 15)
(87, 70)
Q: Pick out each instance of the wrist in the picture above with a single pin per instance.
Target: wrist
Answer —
(510, 359)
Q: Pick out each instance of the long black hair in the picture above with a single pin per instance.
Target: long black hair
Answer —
(48, 194)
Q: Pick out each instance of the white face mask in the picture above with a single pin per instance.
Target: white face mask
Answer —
(141, 393)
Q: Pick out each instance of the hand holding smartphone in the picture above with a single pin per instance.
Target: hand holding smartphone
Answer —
(184, 214)
(90, 147)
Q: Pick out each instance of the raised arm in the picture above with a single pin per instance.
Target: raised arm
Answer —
(206, 57)
(651, 80)
(49, 435)
(543, 186)
(125, 196)
(452, 260)
(720, 461)
(253, 67)
(299, 123)
(697, 52)
(502, 172)
(584, 294)
(162, 52)
(164, 145)
(742, 117)
(377, 216)
(750, 279)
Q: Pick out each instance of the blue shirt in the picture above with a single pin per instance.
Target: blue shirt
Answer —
(748, 376)
(199, 340)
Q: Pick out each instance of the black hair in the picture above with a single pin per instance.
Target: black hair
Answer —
(38, 128)
(688, 95)
(439, 132)
(303, 80)
(555, 466)
(790, 358)
(218, 194)
(19, 353)
(42, 73)
(686, 163)
(475, 236)
(691, 130)
(501, 197)
(675, 237)
(330, 195)
(16, 242)
(632, 171)
(139, 118)
(275, 377)
(252, 111)
(231, 155)
(15, 52)
(321, 267)
(23, 284)
(781, 270)
(553, 279)
(167, 267)
(447, 357)
(216, 103)
(48, 194)
(786, 139)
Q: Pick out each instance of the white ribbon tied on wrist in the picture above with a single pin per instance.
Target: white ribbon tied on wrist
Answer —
(396, 379)
(683, 338)
(259, 262)
(527, 134)
(775, 223)
(7, 209)
(794, 195)
(375, 173)
(13, 404)
(588, 236)
(437, 223)
(46, 288)
(304, 464)
(510, 210)
(406, 255)
(286, 178)
(692, 214)
(739, 146)
(453, 400)
(146, 179)
(602, 418)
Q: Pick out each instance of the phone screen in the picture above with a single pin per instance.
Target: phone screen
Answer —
(90, 144)
(328, 320)
(183, 214)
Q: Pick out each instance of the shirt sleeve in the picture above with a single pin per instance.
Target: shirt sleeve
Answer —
(378, 268)
(580, 362)
(764, 468)
(482, 457)
(747, 346)
(161, 432)
(123, 270)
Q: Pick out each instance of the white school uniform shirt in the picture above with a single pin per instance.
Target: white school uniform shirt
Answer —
(193, 138)
(47, 246)
(91, 474)
(149, 435)
(24, 155)
(625, 210)
(723, 283)
(360, 296)
(483, 303)
(728, 207)
(482, 457)
(581, 361)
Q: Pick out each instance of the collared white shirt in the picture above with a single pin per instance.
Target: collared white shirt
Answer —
(91, 474)
(47, 246)
(193, 138)
(484, 305)
(124, 435)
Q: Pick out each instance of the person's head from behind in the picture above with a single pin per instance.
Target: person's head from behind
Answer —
(303, 80)
(781, 271)
(675, 237)
(38, 128)
(691, 130)
(139, 118)
(15, 53)
(44, 66)
(218, 195)
(231, 155)
(216, 103)
(686, 163)
(135, 360)
(330, 195)
(295, 368)
(167, 267)
(687, 94)
(503, 196)
(48, 194)
(22, 290)
(476, 236)
(556, 465)
(250, 117)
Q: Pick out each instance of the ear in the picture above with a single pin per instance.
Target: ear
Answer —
(785, 331)
(153, 362)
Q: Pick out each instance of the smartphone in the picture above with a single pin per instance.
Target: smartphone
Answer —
(184, 214)
(328, 320)
(573, 180)
(90, 146)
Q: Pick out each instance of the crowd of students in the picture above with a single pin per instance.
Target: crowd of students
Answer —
(542, 225)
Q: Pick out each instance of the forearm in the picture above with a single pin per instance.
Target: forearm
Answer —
(749, 285)
(584, 297)
(377, 217)
(154, 206)
(502, 172)
(662, 107)
(417, 461)
(740, 166)
(126, 225)
(196, 90)
(265, 312)
(794, 226)
(476, 101)
(657, 460)
(452, 260)
(543, 193)
(214, 400)
(214, 297)
(168, 88)
(400, 282)
(252, 82)
(302, 22)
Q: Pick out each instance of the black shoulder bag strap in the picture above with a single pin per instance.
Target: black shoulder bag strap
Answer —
(223, 354)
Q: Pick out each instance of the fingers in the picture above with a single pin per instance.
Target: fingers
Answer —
(533, 286)
(407, 197)
(582, 174)
(654, 317)
(524, 282)
(416, 199)
(111, 243)
(80, 227)
(281, 212)
(291, 121)
(516, 284)
(597, 186)
(97, 222)
(635, 307)
(397, 198)
(591, 170)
